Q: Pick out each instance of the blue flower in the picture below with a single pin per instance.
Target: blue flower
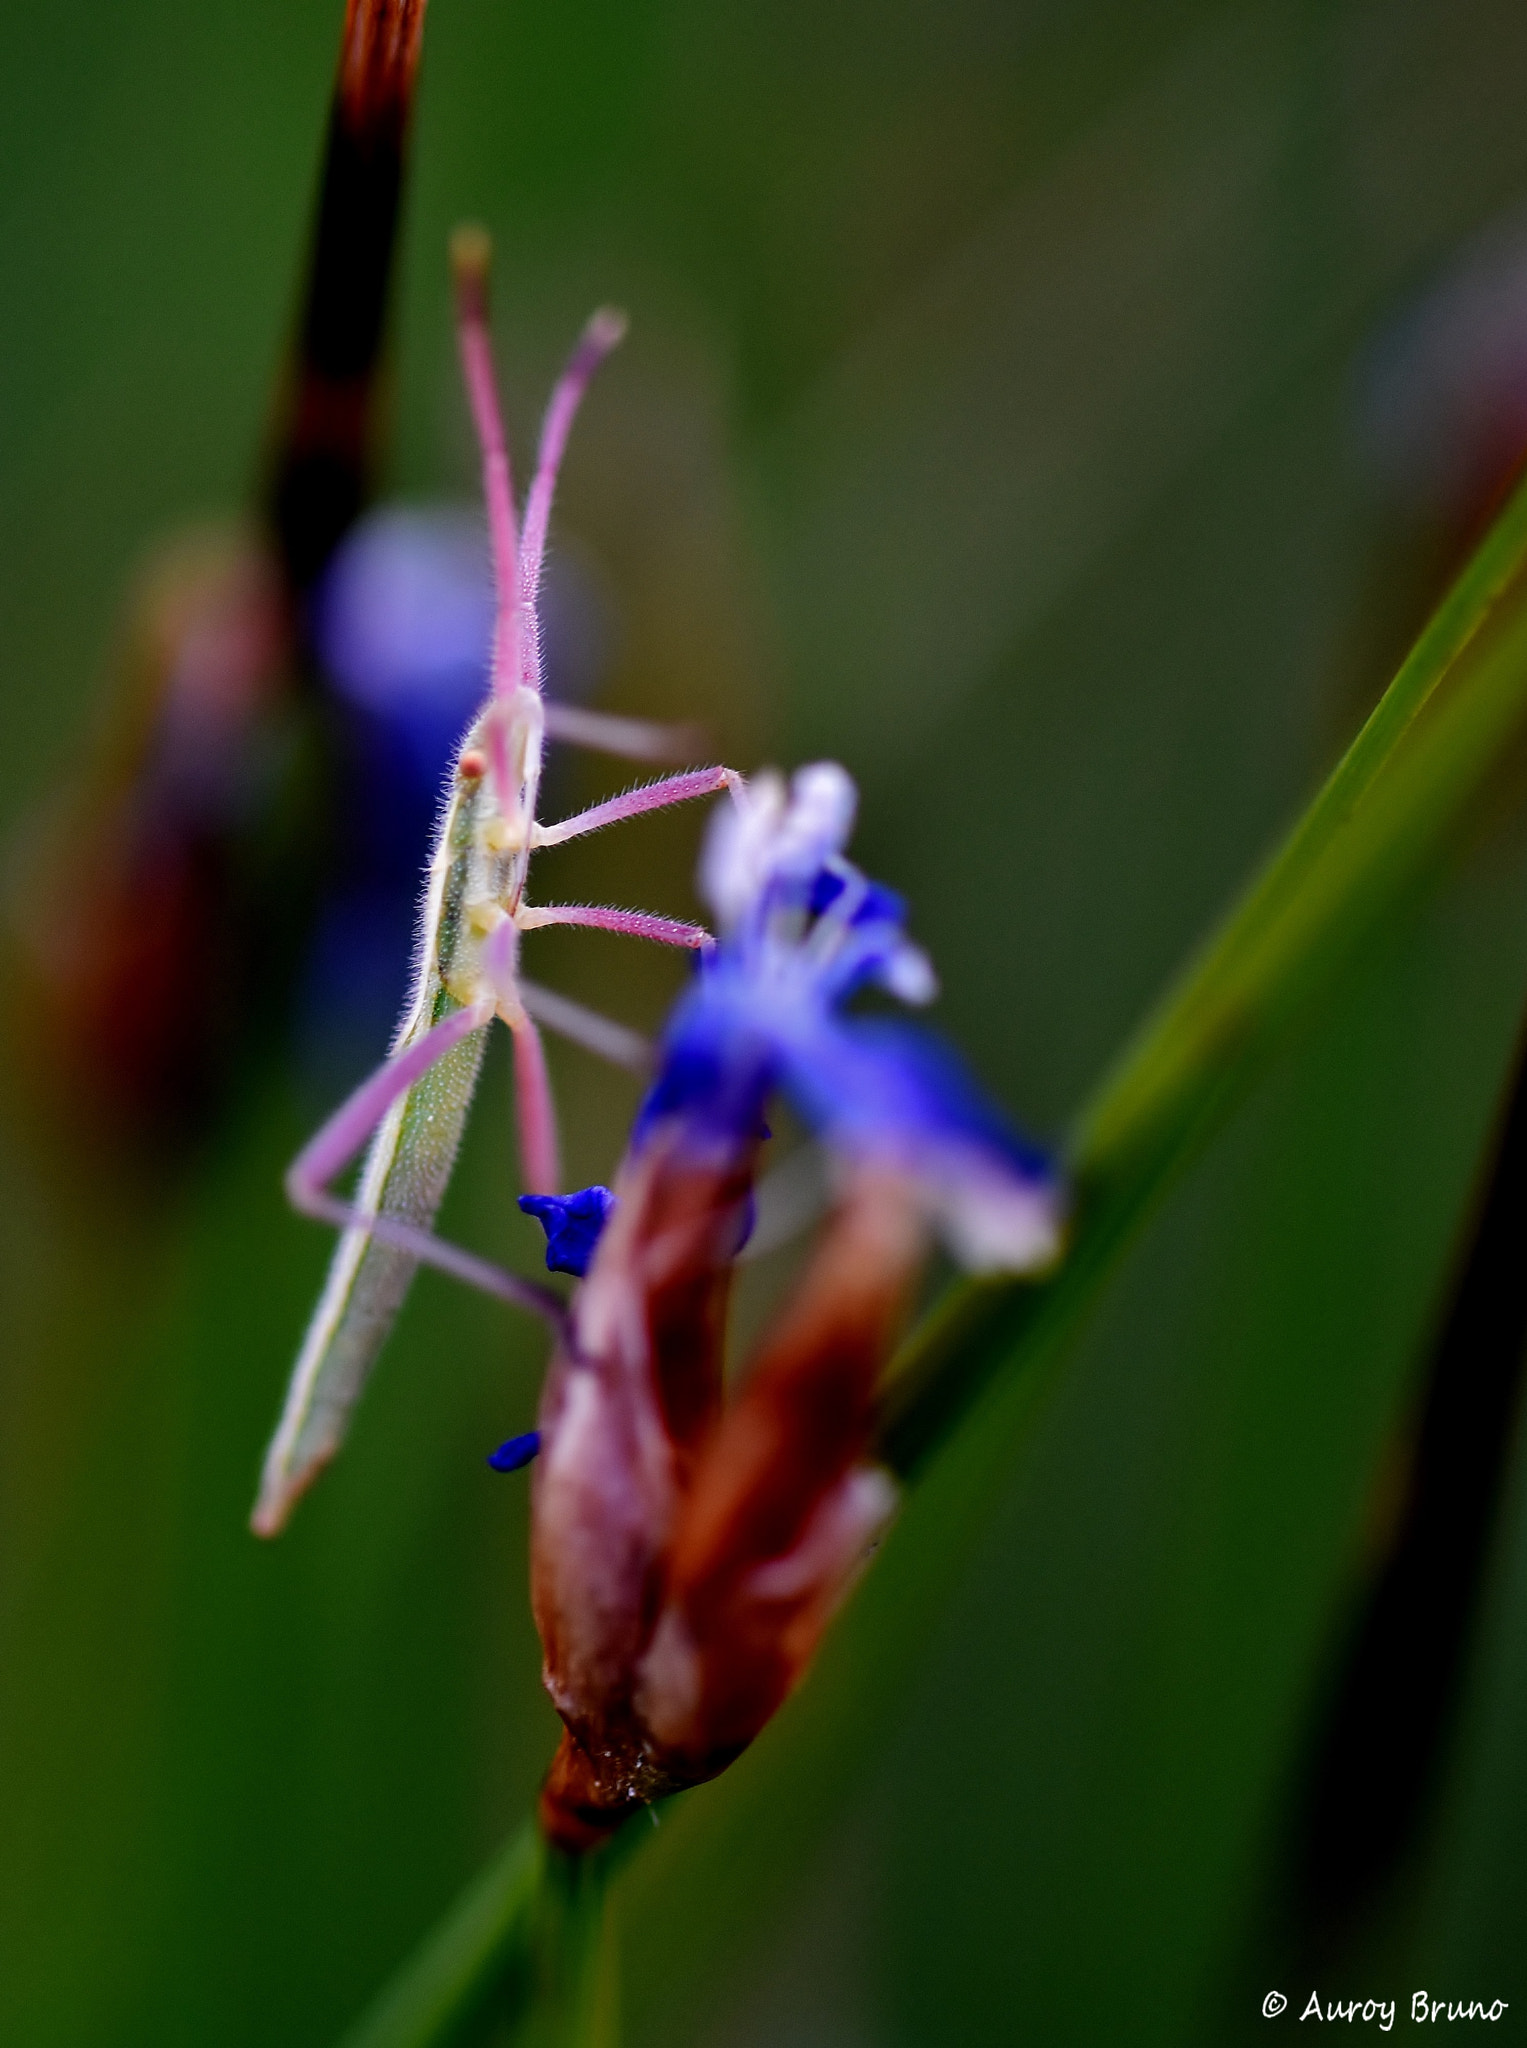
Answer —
(572, 1224)
(690, 1539)
(802, 930)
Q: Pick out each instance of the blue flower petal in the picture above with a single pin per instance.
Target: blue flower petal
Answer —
(862, 1079)
(573, 1224)
(879, 1092)
(881, 906)
(803, 931)
(515, 1452)
(717, 1068)
(826, 889)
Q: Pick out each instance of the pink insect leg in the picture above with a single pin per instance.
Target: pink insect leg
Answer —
(601, 917)
(540, 1160)
(603, 333)
(336, 1144)
(632, 739)
(598, 1034)
(534, 1105)
(650, 796)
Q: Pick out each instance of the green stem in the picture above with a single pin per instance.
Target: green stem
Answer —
(528, 1947)
(468, 1962)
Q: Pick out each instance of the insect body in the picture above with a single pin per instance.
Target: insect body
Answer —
(475, 909)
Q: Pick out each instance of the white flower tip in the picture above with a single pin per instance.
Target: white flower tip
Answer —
(736, 842)
(909, 975)
(823, 801)
(768, 832)
(994, 1224)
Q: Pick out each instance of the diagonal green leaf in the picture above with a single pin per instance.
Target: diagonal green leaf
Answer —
(1358, 842)
(528, 1945)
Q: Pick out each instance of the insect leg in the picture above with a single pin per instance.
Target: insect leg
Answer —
(602, 917)
(540, 1160)
(632, 739)
(648, 796)
(336, 1144)
(535, 1109)
(614, 1042)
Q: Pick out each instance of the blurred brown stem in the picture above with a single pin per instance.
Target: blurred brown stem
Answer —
(322, 467)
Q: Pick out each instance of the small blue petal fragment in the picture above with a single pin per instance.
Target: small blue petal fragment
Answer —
(881, 906)
(826, 887)
(516, 1452)
(573, 1224)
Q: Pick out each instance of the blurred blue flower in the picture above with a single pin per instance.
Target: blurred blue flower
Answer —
(403, 625)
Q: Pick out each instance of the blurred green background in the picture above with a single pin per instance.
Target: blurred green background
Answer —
(993, 419)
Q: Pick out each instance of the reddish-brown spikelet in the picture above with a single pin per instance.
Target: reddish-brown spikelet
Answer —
(327, 419)
(378, 59)
(777, 1461)
(686, 1555)
(126, 907)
